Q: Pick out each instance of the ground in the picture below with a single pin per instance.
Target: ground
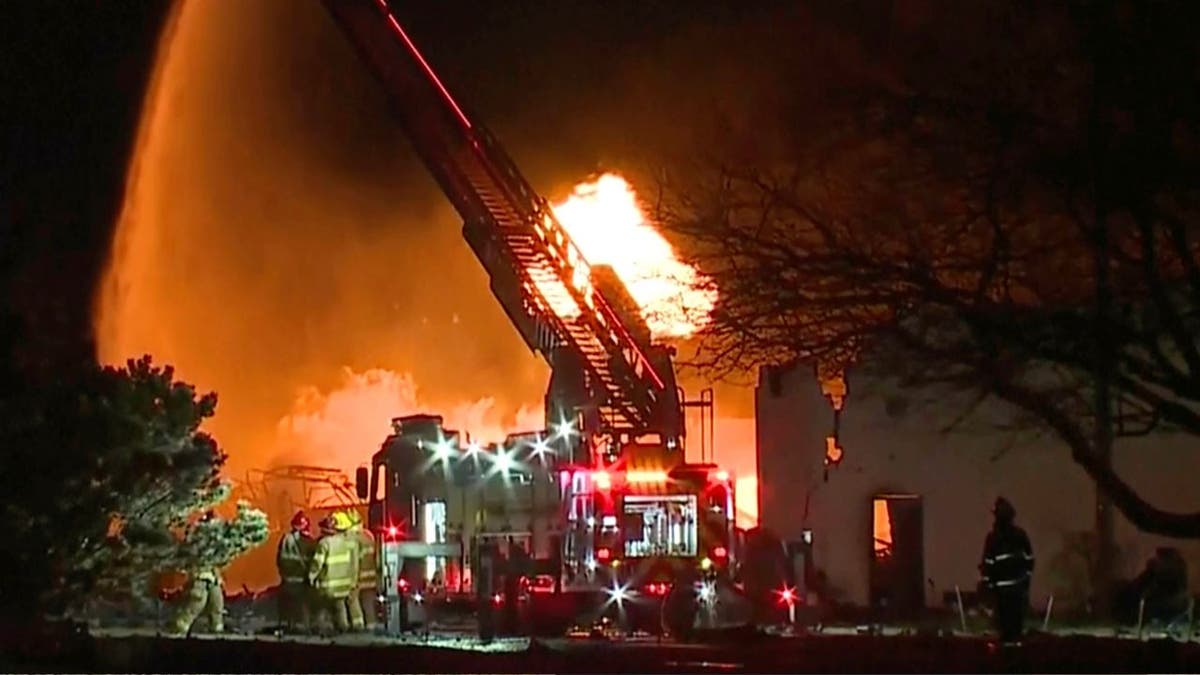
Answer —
(131, 650)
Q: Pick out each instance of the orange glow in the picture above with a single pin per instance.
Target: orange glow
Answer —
(605, 220)
(602, 479)
(882, 527)
(833, 451)
(342, 427)
(745, 500)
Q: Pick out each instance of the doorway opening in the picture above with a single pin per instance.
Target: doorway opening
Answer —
(897, 568)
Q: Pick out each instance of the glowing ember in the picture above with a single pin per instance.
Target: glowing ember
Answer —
(604, 219)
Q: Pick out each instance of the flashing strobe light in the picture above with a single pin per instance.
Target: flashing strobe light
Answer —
(603, 554)
(565, 428)
(418, 598)
(602, 480)
(787, 596)
(497, 599)
(442, 449)
(393, 531)
(706, 564)
(504, 461)
(646, 476)
(723, 476)
(540, 448)
(473, 448)
(707, 592)
(720, 552)
(402, 584)
(618, 594)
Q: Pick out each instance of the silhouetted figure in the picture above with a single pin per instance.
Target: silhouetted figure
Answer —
(1163, 586)
(1007, 569)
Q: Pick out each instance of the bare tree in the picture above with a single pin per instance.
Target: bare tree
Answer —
(1028, 236)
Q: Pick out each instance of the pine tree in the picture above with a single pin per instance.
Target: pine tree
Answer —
(107, 473)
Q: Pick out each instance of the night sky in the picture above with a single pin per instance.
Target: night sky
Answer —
(73, 76)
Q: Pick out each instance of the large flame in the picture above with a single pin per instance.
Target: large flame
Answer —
(342, 427)
(608, 225)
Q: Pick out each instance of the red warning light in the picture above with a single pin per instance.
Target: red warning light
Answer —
(720, 552)
(603, 554)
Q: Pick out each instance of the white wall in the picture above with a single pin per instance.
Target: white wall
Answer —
(958, 474)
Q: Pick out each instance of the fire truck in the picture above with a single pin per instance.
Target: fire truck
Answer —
(601, 500)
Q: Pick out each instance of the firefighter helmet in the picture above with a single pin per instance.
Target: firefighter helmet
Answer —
(355, 517)
(1003, 510)
(341, 521)
(300, 521)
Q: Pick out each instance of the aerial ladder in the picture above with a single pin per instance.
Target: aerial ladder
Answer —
(608, 380)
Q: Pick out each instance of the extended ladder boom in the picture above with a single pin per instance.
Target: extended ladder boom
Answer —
(537, 272)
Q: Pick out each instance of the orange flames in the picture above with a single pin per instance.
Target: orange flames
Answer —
(608, 225)
(343, 427)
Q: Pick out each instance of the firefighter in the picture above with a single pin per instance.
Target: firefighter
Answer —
(295, 550)
(331, 572)
(363, 601)
(204, 596)
(1007, 569)
(343, 523)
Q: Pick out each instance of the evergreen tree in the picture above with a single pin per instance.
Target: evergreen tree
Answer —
(106, 472)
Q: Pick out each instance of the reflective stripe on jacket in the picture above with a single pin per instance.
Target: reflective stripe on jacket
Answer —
(292, 557)
(1007, 558)
(333, 570)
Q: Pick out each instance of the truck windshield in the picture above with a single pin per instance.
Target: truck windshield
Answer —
(660, 525)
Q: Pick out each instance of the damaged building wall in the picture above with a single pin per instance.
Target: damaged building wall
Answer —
(896, 445)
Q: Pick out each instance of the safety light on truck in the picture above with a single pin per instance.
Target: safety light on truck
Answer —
(720, 552)
(603, 554)
(787, 596)
(602, 480)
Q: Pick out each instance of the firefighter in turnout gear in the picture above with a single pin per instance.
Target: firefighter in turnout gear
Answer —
(343, 523)
(332, 573)
(296, 548)
(1007, 569)
(362, 600)
(204, 596)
